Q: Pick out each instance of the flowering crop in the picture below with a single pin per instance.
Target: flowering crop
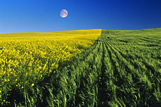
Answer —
(26, 58)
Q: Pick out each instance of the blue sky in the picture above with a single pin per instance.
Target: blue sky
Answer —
(43, 15)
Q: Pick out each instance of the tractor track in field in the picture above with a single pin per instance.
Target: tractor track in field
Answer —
(102, 85)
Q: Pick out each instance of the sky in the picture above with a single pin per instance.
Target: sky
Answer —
(44, 15)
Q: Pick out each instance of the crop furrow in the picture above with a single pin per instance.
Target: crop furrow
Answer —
(85, 77)
(144, 65)
(114, 59)
(102, 85)
(127, 74)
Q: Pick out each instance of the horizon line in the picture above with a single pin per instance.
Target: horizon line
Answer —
(80, 29)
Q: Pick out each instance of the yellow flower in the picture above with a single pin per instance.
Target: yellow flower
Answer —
(5, 80)
(32, 84)
(0, 91)
(53, 64)
(50, 71)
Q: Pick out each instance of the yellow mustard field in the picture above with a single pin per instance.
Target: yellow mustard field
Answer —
(26, 58)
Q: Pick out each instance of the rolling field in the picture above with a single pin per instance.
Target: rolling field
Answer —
(116, 68)
(28, 58)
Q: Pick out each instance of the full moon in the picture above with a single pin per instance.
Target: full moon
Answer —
(64, 13)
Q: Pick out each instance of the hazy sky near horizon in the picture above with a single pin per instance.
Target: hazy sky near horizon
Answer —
(44, 15)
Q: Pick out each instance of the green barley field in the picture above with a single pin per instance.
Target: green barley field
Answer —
(118, 68)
